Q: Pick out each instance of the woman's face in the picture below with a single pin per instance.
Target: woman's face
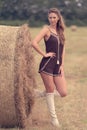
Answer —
(53, 19)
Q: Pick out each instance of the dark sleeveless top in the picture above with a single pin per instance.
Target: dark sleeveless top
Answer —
(53, 45)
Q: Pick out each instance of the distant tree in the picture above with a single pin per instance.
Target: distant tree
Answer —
(73, 11)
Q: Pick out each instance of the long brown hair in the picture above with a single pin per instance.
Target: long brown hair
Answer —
(60, 24)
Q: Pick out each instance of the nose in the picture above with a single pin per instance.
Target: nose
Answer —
(52, 19)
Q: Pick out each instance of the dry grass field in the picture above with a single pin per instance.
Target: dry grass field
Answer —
(71, 110)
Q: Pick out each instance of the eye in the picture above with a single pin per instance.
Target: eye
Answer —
(52, 17)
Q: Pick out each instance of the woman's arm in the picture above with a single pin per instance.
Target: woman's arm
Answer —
(63, 55)
(38, 38)
(61, 66)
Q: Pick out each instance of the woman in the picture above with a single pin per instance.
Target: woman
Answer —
(51, 66)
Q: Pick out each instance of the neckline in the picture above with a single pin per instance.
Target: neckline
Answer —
(51, 36)
(54, 33)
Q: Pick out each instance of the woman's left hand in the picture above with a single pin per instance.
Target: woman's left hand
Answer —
(61, 70)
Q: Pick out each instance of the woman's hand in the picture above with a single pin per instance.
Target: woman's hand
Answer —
(50, 54)
(61, 70)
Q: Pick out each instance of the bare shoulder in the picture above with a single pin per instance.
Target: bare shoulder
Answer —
(44, 31)
(42, 34)
(45, 28)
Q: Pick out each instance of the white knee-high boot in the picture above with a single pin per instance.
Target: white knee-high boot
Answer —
(51, 107)
(38, 93)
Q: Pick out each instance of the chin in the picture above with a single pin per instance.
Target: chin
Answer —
(53, 24)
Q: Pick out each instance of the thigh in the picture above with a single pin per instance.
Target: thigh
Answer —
(60, 84)
(48, 82)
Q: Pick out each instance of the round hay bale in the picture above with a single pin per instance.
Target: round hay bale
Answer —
(16, 75)
(73, 28)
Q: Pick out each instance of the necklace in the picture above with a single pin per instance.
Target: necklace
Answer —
(58, 49)
(53, 30)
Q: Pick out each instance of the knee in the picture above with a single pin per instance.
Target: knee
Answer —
(50, 90)
(63, 94)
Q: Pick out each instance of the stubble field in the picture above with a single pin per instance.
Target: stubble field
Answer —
(71, 110)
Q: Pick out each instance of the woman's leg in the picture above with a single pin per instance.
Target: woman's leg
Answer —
(49, 85)
(60, 84)
(48, 82)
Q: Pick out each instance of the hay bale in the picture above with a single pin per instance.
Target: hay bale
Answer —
(73, 28)
(16, 76)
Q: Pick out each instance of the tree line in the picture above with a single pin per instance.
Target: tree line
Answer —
(35, 11)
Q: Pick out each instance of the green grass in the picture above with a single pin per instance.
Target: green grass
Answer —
(13, 22)
(71, 110)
